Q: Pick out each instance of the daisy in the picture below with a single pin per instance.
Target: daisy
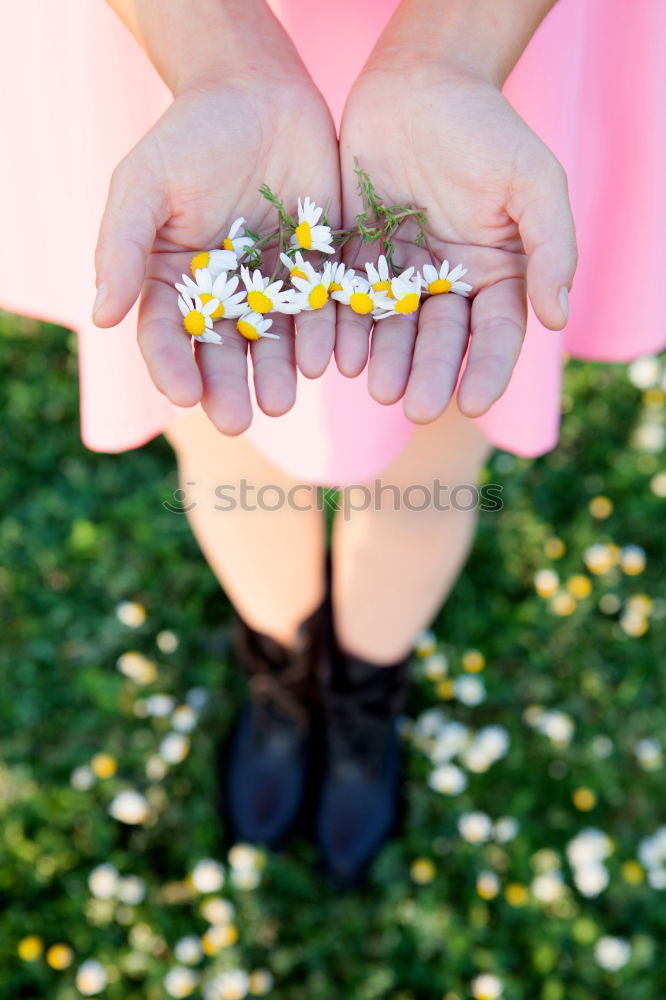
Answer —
(253, 326)
(197, 318)
(221, 288)
(312, 290)
(214, 261)
(338, 272)
(379, 276)
(264, 295)
(237, 244)
(405, 296)
(438, 282)
(308, 235)
(296, 267)
(357, 293)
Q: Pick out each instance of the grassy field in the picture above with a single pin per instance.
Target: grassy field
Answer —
(532, 862)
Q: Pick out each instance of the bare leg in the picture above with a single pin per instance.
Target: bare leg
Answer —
(392, 568)
(269, 562)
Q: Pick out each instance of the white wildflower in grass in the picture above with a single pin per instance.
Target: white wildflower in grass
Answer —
(657, 878)
(451, 739)
(469, 690)
(91, 978)
(261, 982)
(197, 318)
(230, 303)
(167, 641)
(632, 559)
(488, 885)
(600, 558)
(490, 744)
(103, 881)
(649, 437)
(644, 372)
(405, 296)
(217, 910)
(612, 953)
(234, 243)
(602, 746)
(548, 887)
(650, 754)
(430, 722)
(557, 726)
(591, 879)
(82, 778)
(245, 878)
(174, 748)
(357, 293)
(137, 667)
(245, 856)
(254, 326)
(506, 828)
(309, 235)
(312, 290)
(207, 875)
(379, 276)
(131, 614)
(180, 982)
(231, 985)
(160, 705)
(436, 667)
(214, 261)
(264, 295)
(131, 890)
(546, 582)
(188, 950)
(436, 281)
(590, 846)
(652, 855)
(486, 987)
(448, 779)
(475, 827)
(184, 719)
(130, 807)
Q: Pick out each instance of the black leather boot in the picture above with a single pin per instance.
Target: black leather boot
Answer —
(360, 792)
(268, 757)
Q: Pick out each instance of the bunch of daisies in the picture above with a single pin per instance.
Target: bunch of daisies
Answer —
(228, 282)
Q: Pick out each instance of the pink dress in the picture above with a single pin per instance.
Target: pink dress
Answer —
(77, 92)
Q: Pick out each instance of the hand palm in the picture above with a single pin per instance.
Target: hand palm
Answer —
(458, 150)
(176, 193)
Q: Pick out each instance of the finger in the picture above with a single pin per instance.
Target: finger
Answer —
(352, 341)
(315, 337)
(499, 318)
(274, 365)
(166, 348)
(440, 347)
(543, 214)
(135, 209)
(226, 395)
(391, 357)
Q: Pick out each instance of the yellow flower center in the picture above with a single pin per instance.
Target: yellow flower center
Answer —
(407, 304)
(194, 323)
(219, 312)
(439, 286)
(258, 302)
(334, 287)
(318, 297)
(297, 273)
(303, 235)
(361, 303)
(200, 262)
(382, 286)
(228, 245)
(247, 330)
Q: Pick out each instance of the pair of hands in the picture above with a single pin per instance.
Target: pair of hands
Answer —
(496, 201)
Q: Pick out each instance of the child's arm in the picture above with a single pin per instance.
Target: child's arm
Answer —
(428, 122)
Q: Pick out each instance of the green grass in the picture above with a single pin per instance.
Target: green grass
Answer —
(83, 532)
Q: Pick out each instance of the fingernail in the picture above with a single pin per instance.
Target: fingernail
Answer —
(563, 299)
(100, 298)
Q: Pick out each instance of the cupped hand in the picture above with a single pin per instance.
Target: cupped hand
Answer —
(177, 193)
(496, 201)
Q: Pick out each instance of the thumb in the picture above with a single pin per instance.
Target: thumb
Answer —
(542, 211)
(136, 208)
